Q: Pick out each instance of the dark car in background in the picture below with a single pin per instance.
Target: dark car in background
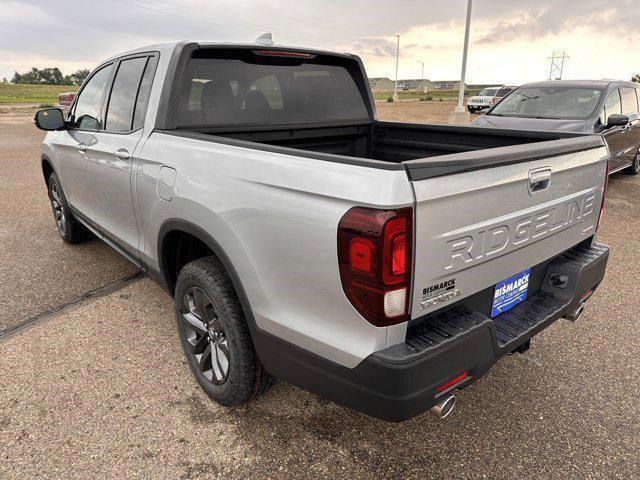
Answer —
(591, 106)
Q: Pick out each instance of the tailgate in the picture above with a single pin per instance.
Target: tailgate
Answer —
(499, 213)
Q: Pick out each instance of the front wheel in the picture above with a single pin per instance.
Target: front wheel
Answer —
(214, 335)
(70, 230)
(634, 169)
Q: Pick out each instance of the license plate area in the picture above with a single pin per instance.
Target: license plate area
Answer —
(510, 292)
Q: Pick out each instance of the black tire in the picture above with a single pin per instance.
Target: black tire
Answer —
(70, 230)
(216, 324)
(634, 169)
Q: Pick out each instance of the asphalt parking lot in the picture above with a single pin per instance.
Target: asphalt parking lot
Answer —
(99, 389)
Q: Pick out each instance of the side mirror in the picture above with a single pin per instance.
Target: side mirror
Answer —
(617, 120)
(49, 119)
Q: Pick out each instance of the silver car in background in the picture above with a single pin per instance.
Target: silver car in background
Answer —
(591, 106)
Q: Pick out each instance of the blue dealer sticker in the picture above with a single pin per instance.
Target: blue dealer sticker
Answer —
(510, 292)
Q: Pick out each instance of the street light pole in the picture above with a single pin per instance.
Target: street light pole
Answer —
(422, 75)
(460, 107)
(395, 88)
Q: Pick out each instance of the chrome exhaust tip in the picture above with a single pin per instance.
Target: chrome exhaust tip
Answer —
(575, 315)
(444, 408)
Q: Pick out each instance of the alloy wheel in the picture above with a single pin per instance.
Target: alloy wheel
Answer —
(205, 336)
(58, 208)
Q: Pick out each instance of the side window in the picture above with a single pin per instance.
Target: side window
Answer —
(629, 100)
(122, 101)
(87, 110)
(611, 106)
(143, 94)
(638, 98)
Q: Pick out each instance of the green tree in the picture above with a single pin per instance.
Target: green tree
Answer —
(636, 78)
(78, 76)
(50, 76)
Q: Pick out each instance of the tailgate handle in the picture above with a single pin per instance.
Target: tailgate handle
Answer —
(539, 181)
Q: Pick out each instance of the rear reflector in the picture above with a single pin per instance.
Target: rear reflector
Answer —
(452, 382)
(585, 296)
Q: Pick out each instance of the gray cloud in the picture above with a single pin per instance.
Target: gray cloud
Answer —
(377, 47)
(84, 32)
(535, 19)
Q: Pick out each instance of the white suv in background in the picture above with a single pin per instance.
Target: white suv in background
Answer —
(488, 97)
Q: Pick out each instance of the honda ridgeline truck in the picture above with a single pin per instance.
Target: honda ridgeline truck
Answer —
(383, 265)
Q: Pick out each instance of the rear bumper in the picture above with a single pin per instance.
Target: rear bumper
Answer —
(401, 381)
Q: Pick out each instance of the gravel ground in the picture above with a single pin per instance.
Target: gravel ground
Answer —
(38, 271)
(101, 389)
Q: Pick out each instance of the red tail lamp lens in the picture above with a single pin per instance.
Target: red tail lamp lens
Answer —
(375, 259)
(282, 53)
(361, 253)
(399, 255)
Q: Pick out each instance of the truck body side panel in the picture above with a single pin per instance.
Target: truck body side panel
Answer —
(271, 214)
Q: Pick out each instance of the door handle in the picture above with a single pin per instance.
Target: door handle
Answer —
(539, 181)
(81, 147)
(121, 154)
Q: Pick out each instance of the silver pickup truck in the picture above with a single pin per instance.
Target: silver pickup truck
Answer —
(383, 265)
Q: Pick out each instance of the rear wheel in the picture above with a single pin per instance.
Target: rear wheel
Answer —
(214, 335)
(70, 230)
(634, 169)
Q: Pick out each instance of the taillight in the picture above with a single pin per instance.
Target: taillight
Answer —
(375, 260)
(604, 192)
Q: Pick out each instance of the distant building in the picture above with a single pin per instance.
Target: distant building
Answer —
(381, 84)
(482, 86)
(447, 85)
(420, 85)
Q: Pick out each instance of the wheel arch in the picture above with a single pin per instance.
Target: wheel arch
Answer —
(47, 167)
(168, 231)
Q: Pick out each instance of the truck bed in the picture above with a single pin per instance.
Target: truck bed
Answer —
(426, 150)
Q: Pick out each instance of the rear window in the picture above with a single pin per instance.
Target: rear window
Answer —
(488, 92)
(249, 89)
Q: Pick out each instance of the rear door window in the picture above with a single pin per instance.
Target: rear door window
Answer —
(629, 100)
(143, 93)
(119, 118)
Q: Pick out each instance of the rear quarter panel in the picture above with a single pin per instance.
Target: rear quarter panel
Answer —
(276, 218)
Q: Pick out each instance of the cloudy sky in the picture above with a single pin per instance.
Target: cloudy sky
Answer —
(510, 40)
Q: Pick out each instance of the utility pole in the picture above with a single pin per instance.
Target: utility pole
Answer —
(557, 65)
(422, 76)
(395, 88)
(460, 106)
